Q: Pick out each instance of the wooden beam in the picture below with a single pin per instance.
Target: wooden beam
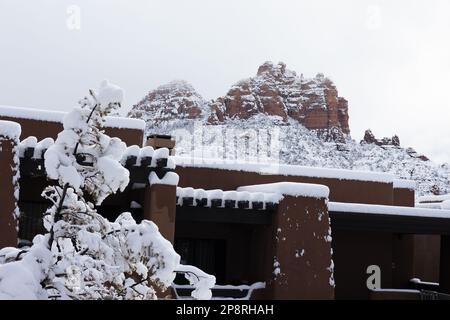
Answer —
(223, 215)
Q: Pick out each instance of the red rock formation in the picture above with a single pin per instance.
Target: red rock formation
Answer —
(277, 91)
(369, 137)
(175, 100)
(274, 91)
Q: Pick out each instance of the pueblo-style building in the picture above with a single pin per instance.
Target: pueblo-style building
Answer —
(265, 231)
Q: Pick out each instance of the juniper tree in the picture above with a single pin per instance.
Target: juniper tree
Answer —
(83, 255)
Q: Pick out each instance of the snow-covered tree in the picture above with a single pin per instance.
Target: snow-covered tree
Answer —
(83, 255)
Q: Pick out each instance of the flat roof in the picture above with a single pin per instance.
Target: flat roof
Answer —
(434, 198)
(388, 219)
(404, 184)
(388, 210)
(294, 189)
(284, 169)
(57, 116)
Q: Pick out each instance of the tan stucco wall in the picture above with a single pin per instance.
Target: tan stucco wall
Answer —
(340, 190)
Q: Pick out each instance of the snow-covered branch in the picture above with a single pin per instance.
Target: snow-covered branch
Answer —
(83, 255)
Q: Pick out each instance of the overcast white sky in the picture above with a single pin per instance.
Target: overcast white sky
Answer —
(389, 58)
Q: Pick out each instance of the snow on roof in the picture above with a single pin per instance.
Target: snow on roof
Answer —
(284, 169)
(10, 129)
(430, 205)
(170, 178)
(29, 113)
(445, 204)
(57, 116)
(29, 142)
(433, 198)
(291, 189)
(404, 184)
(387, 210)
(124, 123)
(251, 196)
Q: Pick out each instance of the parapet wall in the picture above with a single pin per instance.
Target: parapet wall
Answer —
(44, 124)
(403, 197)
(341, 190)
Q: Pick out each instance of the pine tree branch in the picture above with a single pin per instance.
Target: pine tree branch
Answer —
(58, 214)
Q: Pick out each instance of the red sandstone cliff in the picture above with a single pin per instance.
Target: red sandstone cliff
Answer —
(274, 91)
(176, 100)
(277, 91)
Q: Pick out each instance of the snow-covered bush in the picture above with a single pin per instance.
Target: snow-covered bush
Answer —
(83, 255)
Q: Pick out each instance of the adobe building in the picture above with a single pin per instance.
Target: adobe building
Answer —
(267, 231)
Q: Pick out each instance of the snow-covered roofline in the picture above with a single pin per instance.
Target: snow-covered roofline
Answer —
(404, 184)
(429, 205)
(433, 198)
(387, 210)
(284, 169)
(291, 189)
(57, 116)
(10, 129)
(240, 195)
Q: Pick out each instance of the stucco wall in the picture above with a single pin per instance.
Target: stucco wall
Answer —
(403, 197)
(353, 252)
(340, 190)
(8, 233)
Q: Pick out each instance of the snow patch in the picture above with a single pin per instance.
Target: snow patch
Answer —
(132, 151)
(433, 198)
(264, 197)
(291, 189)
(445, 205)
(276, 268)
(161, 153)
(404, 184)
(170, 178)
(202, 282)
(29, 142)
(300, 253)
(135, 205)
(387, 210)
(109, 93)
(41, 146)
(146, 152)
(10, 129)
